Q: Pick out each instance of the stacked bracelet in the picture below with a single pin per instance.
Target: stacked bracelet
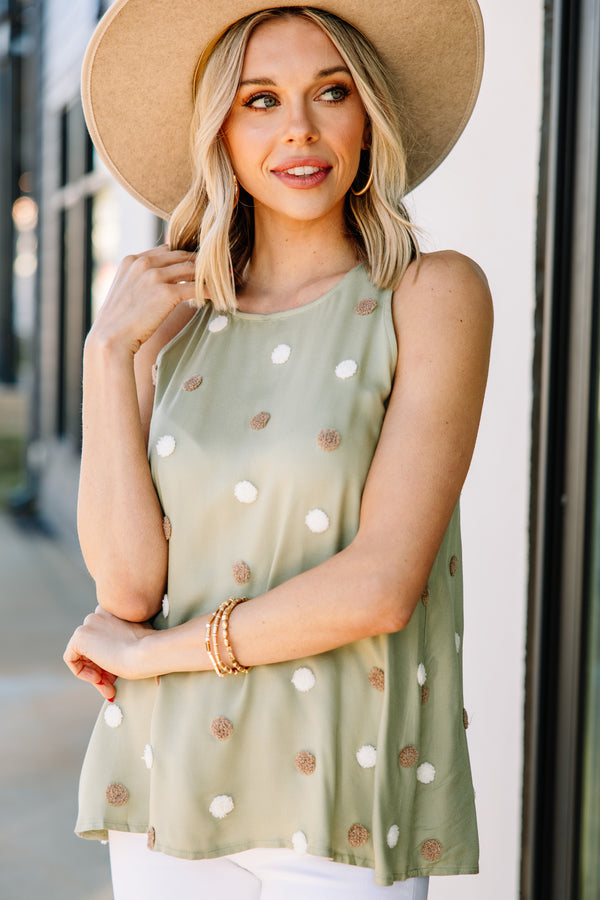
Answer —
(220, 620)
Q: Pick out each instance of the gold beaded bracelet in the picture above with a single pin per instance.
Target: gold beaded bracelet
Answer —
(220, 619)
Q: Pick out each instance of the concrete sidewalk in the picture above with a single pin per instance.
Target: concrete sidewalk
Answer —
(46, 716)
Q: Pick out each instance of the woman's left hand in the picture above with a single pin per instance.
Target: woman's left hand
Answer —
(103, 649)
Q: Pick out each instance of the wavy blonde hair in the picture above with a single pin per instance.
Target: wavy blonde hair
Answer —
(210, 221)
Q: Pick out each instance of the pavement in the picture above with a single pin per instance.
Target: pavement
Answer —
(46, 717)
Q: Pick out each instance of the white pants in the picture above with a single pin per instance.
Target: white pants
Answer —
(262, 874)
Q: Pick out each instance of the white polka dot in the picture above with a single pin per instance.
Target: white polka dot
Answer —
(317, 521)
(392, 836)
(221, 806)
(457, 641)
(299, 842)
(421, 674)
(366, 756)
(165, 445)
(426, 773)
(148, 756)
(165, 606)
(113, 715)
(303, 679)
(218, 324)
(245, 492)
(346, 369)
(281, 354)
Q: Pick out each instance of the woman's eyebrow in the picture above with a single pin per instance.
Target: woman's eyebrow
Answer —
(323, 73)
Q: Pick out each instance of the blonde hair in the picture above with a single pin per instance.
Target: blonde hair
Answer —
(209, 219)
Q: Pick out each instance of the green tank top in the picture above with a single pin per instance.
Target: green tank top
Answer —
(263, 430)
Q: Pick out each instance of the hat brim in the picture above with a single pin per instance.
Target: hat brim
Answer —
(138, 72)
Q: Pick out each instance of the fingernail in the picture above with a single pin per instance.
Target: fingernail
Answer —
(111, 699)
(100, 682)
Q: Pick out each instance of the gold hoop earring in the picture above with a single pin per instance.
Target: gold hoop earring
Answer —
(236, 195)
(369, 179)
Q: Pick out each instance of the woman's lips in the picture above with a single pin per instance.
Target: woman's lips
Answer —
(302, 173)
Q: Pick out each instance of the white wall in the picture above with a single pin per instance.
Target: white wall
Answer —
(482, 201)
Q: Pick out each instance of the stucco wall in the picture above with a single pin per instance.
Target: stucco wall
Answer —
(482, 201)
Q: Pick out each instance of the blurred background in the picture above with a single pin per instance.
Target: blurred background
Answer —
(520, 194)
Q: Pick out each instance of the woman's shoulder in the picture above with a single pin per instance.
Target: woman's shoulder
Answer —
(444, 283)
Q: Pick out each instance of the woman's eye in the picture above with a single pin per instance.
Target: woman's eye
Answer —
(261, 101)
(335, 94)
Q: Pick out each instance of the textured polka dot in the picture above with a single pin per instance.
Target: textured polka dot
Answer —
(431, 850)
(165, 445)
(240, 572)
(453, 565)
(366, 756)
(377, 678)
(317, 521)
(281, 354)
(365, 307)
(303, 679)
(218, 324)
(260, 420)
(167, 528)
(346, 369)
(151, 838)
(358, 836)
(424, 694)
(408, 756)
(116, 795)
(221, 806)
(148, 756)
(165, 606)
(328, 439)
(426, 773)
(221, 728)
(465, 718)
(457, 641)
(305, 762)
(245, 492)
(425, 597)
(299, 842)
(154, 374)
(113, 715)
(392, 837)
(421, 674)
(193, 383)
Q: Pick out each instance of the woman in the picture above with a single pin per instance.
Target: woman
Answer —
(309, 430)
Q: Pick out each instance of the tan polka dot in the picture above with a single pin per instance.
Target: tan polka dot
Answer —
(425, 597)
(465, 719)
(377, 678)
(408, 756)
(358, 836)
(167, 528)
(305, 762)
(191, 384)
(431, 850)
(260, 420)
(328, 439)
(150, 838)
(154, 374)
(221, 728)
(116, 794)
(240, 572)
(365, 307)
(424, 694)
(453, 565)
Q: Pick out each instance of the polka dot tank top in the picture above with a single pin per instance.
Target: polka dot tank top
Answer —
(263, 430)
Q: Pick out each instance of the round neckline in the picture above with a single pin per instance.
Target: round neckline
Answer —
(284, 313)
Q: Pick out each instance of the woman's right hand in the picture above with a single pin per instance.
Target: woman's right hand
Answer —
(147, 287)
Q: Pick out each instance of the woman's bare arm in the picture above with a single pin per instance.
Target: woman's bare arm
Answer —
(443, 320)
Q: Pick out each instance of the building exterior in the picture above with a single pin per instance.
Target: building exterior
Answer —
(519, 194)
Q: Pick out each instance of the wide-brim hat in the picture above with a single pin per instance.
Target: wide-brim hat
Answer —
(139, 68)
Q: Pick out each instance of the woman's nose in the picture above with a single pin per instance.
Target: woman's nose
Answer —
(300, 127)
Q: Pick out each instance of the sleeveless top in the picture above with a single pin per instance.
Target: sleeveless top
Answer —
(263, 430)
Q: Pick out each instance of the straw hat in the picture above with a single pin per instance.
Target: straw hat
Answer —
(140, 63)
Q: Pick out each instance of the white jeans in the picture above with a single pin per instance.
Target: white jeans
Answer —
(261, 874)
